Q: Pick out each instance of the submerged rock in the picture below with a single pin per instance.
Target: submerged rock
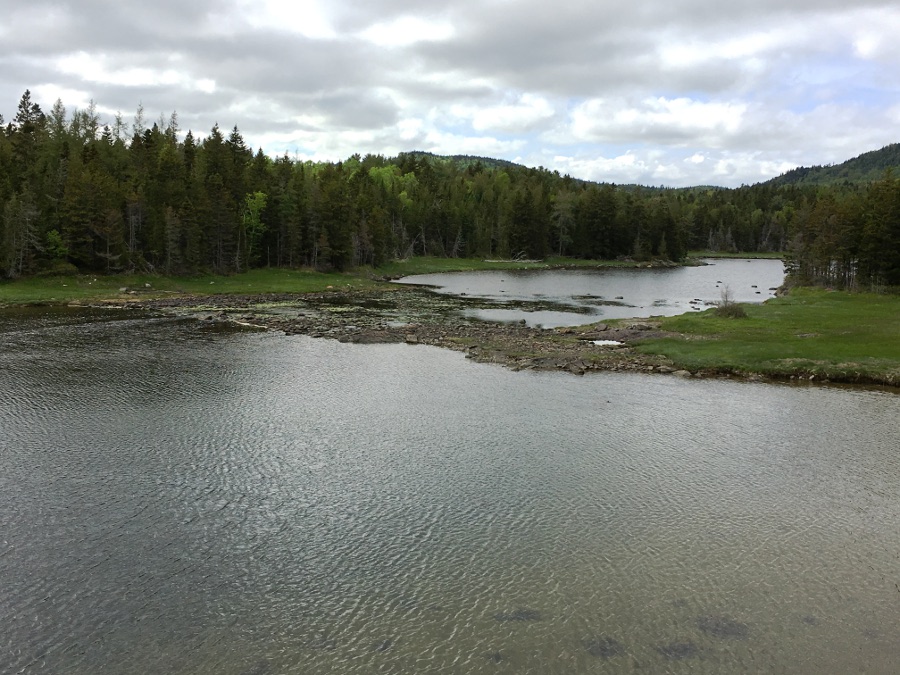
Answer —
(519, 615)
(383, 645)
(603, 647)
(679, 650)
(723, 627)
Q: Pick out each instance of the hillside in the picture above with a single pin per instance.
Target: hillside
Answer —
(463, 162)
(867, 167)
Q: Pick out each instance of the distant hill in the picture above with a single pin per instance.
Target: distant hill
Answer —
(465, 161)
(867, 167)
(492, 164)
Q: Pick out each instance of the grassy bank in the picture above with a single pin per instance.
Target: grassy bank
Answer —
(427, 265)
(722, 254)
(84, 288)
(829, 335)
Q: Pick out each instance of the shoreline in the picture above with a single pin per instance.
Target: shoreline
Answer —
(413, 315)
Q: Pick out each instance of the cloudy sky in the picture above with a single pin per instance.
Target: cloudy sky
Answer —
(658, 92)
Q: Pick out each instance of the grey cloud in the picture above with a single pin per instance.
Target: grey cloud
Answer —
(566, 52)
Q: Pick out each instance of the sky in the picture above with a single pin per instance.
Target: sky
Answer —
(655, 92)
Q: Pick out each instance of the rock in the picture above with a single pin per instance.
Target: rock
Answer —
(665, 369)
(412, 339)
(639, 325)
(682, 373)
(723, 627)
(603, 647)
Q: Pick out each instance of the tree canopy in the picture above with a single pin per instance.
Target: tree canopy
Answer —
(75, 191)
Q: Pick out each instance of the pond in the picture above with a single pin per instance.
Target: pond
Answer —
(180, 501)
(609, 293)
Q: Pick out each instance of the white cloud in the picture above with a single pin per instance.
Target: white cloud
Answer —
(677, 121)
(76, 98)
(443, 143)
(524, 115)
(407, 30)
(100, 69)
(308, 18)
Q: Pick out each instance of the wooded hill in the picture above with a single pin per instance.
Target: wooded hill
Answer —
(78, 194)
(867, 167)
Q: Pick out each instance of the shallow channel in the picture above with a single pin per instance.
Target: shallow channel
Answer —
(181, 501)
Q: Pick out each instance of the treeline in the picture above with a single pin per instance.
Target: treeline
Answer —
(76, 193)
(849, 237)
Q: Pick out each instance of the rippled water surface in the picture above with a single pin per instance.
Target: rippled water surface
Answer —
(178, 501)
(611, 293)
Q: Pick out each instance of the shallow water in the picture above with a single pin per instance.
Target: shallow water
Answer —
(175, 501)
(611, 293)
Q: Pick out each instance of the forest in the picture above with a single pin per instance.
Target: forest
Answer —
(81, 194)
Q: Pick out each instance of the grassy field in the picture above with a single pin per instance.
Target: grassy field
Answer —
(834, 335)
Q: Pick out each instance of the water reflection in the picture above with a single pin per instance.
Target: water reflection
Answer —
(612, 293)
(253, 503)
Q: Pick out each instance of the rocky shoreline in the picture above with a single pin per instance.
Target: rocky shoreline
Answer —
(416, 315)
(412, 315)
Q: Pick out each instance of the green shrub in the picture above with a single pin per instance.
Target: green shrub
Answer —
(731, 311)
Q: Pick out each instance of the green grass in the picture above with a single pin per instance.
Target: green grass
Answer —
(72, 288)
(841, 336)
(429, 265)
(86, 287)
(768, 255)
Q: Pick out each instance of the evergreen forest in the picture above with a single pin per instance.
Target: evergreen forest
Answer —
(81, 194)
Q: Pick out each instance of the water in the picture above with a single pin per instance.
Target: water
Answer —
(181, 501)
(610, 293)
